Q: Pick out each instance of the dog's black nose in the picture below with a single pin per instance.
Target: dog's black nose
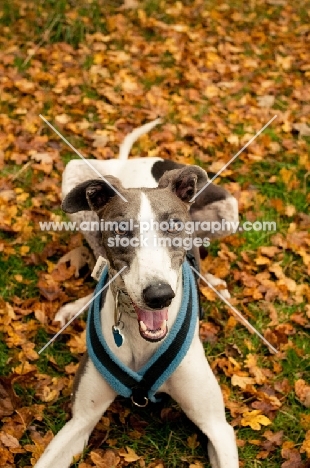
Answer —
(158, 296)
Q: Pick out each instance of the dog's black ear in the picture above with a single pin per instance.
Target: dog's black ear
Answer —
(91, 195)
(183, 182)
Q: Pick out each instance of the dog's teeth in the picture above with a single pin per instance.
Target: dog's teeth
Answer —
(163, 325)
(143, 326)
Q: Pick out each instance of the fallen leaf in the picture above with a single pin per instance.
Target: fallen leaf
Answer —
(302, 391)
(62, 119)
(305, 447)
(254, 419)
(192, 441)
(129, 4)
(292, 455)
(78, 258)
(302, 128)
(130, 455)
(242, 382)
(266, 101)
(8, 440)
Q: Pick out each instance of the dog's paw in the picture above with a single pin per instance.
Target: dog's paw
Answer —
(214, 281)
(68, 311)
(65, 313)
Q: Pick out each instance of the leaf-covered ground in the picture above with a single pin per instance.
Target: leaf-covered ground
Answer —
(216, 71)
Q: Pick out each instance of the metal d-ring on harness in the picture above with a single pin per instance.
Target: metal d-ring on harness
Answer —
(142, 386)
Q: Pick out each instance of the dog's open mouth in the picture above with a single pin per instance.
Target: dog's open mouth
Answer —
(152, 323)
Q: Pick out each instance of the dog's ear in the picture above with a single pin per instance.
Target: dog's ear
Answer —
(91, 195)
(184, 182)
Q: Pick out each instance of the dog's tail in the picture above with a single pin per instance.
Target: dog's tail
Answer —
(129, 140)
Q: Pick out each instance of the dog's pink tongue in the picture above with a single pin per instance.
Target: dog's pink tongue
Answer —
(152, 319)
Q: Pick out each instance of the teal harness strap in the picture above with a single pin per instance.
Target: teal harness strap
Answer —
(146, 382)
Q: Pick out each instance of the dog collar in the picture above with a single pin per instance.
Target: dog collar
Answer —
(142, 386)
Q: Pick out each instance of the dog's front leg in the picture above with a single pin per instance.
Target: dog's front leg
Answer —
(92, 397)
(68, 311)
(194, 386)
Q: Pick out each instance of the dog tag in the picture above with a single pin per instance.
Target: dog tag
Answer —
(118, 336)
(99, 267)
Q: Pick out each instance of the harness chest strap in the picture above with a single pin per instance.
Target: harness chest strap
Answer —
(142, 385)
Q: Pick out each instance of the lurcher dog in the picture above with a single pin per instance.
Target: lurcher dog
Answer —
(134, 327)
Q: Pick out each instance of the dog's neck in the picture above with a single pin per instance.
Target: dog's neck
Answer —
(135, 351)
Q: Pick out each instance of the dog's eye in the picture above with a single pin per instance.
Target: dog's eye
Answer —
(119, 231)
(175, 225)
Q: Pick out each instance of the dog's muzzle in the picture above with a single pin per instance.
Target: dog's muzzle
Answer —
(153, 323)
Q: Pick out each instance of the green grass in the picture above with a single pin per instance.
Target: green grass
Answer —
(8, 284)
(4, 356)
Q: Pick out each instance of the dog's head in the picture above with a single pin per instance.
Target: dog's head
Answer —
(146, 234)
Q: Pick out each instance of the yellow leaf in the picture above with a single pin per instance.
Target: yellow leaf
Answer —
(305, 421)
(305, 448)
(242, 382)
(290, 210)
(211, 91)
(192, 441)
(260, 260)
(286, 175)
(98, 58)
(22, 197)
(24, 250)
(233, 139)
(62, 119)
(216, 166)
(255, 420)
(24, 368)
(284, 62)
(208, 293)
(130, 455)
(196, 464)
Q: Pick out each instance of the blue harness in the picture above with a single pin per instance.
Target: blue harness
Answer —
(141, 386)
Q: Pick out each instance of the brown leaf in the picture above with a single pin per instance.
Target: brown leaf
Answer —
(78, 257)
(192, 441)
(129, 4)
(302, 391)
(8, 399)
(104, 459)
(48, 287)
(299, 318)
(8, 440)
(292, 455)
(130, 455)
(266, 101)
(255, 371)
(302, 128)
(208, 332)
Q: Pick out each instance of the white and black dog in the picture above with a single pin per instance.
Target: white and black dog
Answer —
(143, 330)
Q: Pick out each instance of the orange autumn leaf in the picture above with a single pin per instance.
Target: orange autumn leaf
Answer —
(129, 455)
